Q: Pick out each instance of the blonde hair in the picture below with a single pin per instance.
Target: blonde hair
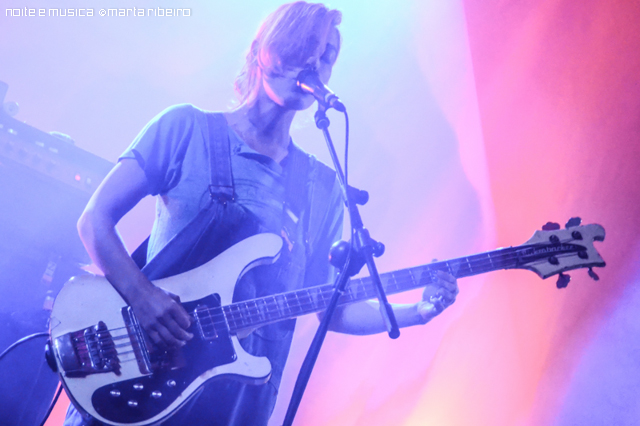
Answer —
(289, 36)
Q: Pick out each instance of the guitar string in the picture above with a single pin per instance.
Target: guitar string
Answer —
(245, 309)
(309, 301)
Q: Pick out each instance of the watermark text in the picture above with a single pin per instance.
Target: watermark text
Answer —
(111, 12)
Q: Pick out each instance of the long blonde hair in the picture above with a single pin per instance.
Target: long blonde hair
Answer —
(289, 36)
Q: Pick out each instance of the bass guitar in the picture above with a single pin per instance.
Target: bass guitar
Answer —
(111, 372)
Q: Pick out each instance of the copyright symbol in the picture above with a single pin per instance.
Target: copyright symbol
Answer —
(102, 12)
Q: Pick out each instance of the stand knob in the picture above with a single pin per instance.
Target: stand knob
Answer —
(338, 254)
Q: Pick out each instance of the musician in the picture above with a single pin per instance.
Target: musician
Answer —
(276, 187)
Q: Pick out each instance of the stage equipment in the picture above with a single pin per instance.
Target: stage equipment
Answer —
(45, 182)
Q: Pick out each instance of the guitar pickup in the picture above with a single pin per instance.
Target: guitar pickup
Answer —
(205, 322)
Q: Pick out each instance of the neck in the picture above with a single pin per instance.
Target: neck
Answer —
(264, 126)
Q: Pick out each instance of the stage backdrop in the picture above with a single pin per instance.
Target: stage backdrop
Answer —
(473, 123)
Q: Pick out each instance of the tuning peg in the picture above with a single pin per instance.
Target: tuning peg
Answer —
(574, 221)
(563, 280)
(593, 275)
(551, 226)
(378, 249)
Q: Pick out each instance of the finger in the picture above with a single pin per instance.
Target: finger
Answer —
(176, 329)
(445, 276)
(155, 338)
(446, 286)
(448, 281)
(177, 312)
(168, 338)
(448, 297)
(438, 305)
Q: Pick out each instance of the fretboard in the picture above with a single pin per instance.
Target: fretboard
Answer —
(257, 312)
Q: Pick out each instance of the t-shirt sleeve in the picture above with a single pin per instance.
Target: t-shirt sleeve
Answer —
(160, 147)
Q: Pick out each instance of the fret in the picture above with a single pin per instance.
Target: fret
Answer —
(413, 278)
(295, 293)
(224, 318)
(211, 323)
(229, 317)
(393, 285)
(352, 288)
(404, 279)
(279, 312)
(271, 308)
(241, 310)
(320, 296)
(308, 304)
(288, 305)
(237, 322)
(253, 309)
(349, 292)
(326, 295)
(426, 278)
(264, 309)
(364, 288)
(356, 286)
(311, 298)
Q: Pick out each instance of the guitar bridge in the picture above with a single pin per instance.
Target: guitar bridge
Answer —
(87, 351)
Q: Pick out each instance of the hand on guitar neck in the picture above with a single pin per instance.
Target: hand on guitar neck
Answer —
(438, 296)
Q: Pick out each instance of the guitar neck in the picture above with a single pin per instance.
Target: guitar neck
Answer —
(257, 312)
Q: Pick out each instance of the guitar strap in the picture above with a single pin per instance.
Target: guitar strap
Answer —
(221, 189)
(221, 186)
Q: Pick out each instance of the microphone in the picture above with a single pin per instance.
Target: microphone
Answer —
(309, 81)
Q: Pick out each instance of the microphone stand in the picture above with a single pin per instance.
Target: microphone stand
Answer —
(366, 248)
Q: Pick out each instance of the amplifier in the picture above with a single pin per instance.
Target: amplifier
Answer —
(45, 182)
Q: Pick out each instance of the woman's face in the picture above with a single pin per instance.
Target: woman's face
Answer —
(282, 88)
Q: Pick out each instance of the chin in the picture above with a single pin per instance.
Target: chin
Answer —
(299, 103)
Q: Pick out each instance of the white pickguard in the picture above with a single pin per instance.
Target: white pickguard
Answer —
(86, 300)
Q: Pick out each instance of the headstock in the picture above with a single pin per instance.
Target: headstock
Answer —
(553, 250)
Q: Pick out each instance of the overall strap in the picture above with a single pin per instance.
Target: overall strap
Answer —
(220, 182)
(296, 182)
(296, 201)
(221, 186)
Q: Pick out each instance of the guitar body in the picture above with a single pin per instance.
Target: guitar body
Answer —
(105, 363)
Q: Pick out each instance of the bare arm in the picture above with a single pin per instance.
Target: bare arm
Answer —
(364, 318)
(159, 314)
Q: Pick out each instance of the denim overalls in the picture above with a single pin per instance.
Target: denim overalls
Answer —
(220, 224)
